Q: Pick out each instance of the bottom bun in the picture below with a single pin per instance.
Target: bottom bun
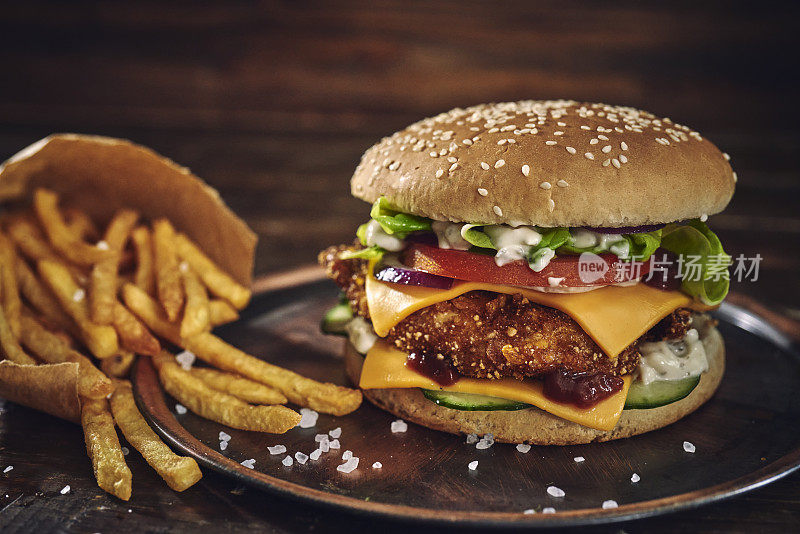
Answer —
(536, 426)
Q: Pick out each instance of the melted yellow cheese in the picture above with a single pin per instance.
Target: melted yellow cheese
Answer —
(613, 316)
(385, 367)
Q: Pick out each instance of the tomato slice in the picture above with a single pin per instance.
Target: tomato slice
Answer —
(474, 267)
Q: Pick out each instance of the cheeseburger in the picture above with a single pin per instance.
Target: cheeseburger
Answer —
(538, 270)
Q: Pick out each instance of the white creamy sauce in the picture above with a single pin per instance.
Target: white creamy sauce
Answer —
(360, 333)
(376, 236)
(449, 235)
(583, 238)
(672, 360)
(542, 259)
(515, 243)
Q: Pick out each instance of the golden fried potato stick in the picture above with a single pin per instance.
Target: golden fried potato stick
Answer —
(243, 388)
(12, 305)
(119, 365)
(45, 204)
(133, 335)
(103, 280)
(168, 277)
(41, 299)
(220, 312)
(179, 472)
(50, 348)
(101, 340)
(143, 244)
(216, 280)
(30, 240)
(195, 312)
(102, 446)
(218, 406)
(80, 224)
(321, 396)
(9, 344)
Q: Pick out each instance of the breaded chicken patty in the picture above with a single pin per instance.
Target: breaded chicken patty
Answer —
(491, 335)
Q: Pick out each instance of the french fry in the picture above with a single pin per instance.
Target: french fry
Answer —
(40, 298)
(30, 240)
(168, 277)
(45, 203)
(220, 312)
(321, 396)
(218, 406)
(143, 244)
(80, 224)
(9, 344)
(101, 340)
(218, 281)
(51, 348)
(103, 280)
(102, 446)
(133, 335)
(195, 312)
(179, 472)
(12, 305)
(119, 365)
(243, 388)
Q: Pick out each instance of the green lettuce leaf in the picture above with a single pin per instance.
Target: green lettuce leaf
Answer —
(695, 239)
(397, 223)
(370, 253)
(475, 236)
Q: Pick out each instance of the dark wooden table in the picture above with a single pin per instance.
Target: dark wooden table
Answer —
(274, 102)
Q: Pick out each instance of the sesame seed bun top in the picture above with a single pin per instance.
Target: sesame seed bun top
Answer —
(548, 163)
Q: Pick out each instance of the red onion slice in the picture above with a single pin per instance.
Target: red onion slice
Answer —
(403, 275)
(627, 229)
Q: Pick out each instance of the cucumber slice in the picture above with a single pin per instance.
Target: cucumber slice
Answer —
(334, 319)
(471, 402)
(659, 393)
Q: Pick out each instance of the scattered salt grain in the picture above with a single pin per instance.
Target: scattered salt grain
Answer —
(346, 455)
(315, 454)
(319, 438)
(689, 447)
(635, 478)
(125, 451)
(79, 295)
(7, 469)
(524, 448)
(250, 464)
(287, 461)
(553, 491)
(308, 418)
(473, 465)
(472, 438)
(300, 457)
(223, 445)
(529, 511)
(65, 490)
(349, 466)
(486, 441)
(334, 444)
(325, 446)
(377, 465)
(579, 459)
(183, 267)
(549, 510)
(336, 432)
(102, 245)
(399, 426)
(607, 505)
(277, 449)
(223, 436)
(185, 359)
(180, 409)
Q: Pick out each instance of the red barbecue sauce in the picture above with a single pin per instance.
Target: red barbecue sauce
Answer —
(581, 389)
(440, 370)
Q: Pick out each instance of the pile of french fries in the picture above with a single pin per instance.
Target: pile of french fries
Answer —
(71, 293)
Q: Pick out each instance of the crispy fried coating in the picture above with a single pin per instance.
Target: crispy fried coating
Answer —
(491, 335)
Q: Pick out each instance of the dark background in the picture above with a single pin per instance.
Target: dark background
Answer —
(274, 102)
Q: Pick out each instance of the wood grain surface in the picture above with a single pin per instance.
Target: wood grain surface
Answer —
(274, 102)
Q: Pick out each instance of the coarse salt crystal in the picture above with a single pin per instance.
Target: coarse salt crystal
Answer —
(635, 478)
(65, 490)
(319, 438)
(180, 409)
(549, 510)
(346, 455)
(334, 444)
(183, 267)
(223, 445)
(473, 465)
(102, 245)
(300, 457)
(250, 464)
(349, 466)
(554, 491)
(399, 426)
(79, 295)
(607, 505)
(7, 469)
(287, 461)
(325, 446)
(523, 448)
(529, 511)
(185, 359)
(125, 451)
(689, 447)
(579, 459)
(277, 449)
(224, 436)
(336, 432)
(377, 465)
(315, 454)
(472, 438)
(308, 418)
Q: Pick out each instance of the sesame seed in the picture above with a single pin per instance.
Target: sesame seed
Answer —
(550, 143)
(467, 141)
(623, 158)
(562, 183)
(589, 155)
(499, 163)
(545, 185)
(558, 133)
(606, 163)
(726, 156)
(606, 149)
(594, 141)
(584, 127)
(498, 211)
(526, 170)
(554, 491)
(453, 167)
(603, 137)
(439, 173)
(735, 177)
(704, 217)
(482, 192)
(452, 159)
(501, 142)
(551, 204)
(434, 154)
(494, 130)
(561, 123)
(571, 150)
(623, 145)
(484, 166)
(616, 163)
